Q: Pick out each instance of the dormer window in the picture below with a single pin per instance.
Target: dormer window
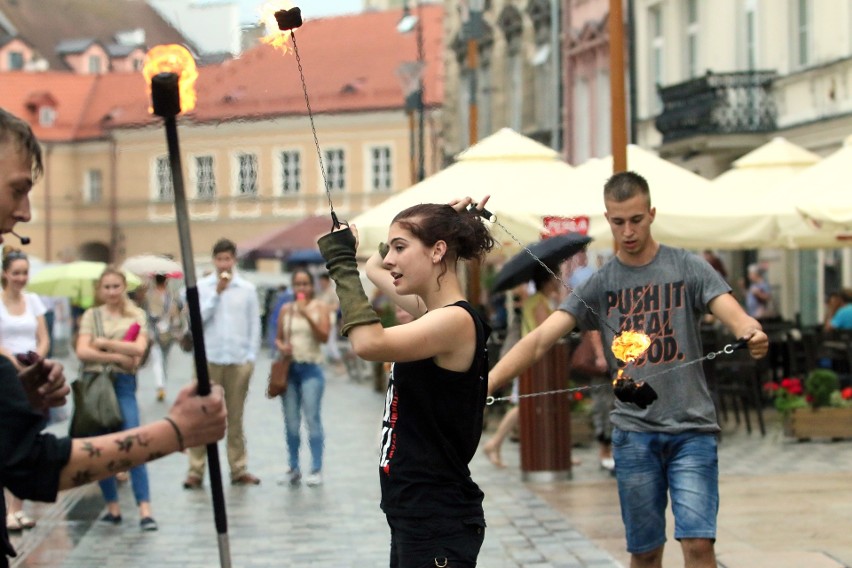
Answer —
(46, 116)
(16, 61)
(94, 64)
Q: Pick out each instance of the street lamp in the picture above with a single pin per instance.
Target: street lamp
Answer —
(410, 22)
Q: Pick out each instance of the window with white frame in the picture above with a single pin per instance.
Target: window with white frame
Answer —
(803, 32)
(543, 63)
(246, 174)
(290, 162)
(655, 25)
(751, 34)
(15, 60)
(691, 38)
(163, 178)
(516, 90)
(94, 64)
(381, 168)
(335, 169)
(46, 115)
(94, 186)
(484, 84)
(205, 177)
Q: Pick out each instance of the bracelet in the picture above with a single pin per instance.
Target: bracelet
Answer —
(177, 432)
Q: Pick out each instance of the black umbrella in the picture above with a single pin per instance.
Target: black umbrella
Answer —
(522, 267)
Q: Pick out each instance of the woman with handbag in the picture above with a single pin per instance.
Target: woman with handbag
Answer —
(104, 341)
(303, 328)
(434, 406)
(22, 330)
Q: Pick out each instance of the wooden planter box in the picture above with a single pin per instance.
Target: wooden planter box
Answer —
(807, 423)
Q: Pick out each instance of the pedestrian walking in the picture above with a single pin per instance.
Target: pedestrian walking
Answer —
(303, 329)
(230, 311)
(165, 326)
(106, 339)
(433, 413)
(667, 450)
(23, 330)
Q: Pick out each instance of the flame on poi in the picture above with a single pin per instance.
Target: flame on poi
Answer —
(628, 346)
(275, 37)
(176, 59)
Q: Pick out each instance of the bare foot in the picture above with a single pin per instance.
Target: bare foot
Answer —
(493, 455)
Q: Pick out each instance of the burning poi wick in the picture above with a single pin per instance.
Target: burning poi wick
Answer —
(166, 103)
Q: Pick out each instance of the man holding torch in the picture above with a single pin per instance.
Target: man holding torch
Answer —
(35, 465)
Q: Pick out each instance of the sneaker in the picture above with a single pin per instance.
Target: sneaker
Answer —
(25, 521)
(148, 524)
(292, 477)
(111, 519)
(314, 479)
(608, 464)
(245, 479)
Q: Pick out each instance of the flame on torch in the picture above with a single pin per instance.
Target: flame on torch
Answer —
(278, 39)
(628, 346)
(175, 59)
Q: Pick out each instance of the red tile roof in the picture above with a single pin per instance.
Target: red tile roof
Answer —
(349, 62)
(44, 24)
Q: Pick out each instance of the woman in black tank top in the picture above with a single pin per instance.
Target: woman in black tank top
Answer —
(432, 419)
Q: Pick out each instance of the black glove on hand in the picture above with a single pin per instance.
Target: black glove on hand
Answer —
(640, 394)
(338, 250)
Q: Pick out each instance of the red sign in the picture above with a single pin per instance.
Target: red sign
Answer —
(562, 225)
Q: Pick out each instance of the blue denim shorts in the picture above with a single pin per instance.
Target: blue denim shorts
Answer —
(651, 465)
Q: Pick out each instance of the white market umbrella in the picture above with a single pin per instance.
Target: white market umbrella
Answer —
(147, 264)
(824, 199)
(512, 168)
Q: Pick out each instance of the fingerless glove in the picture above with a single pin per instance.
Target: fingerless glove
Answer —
(338, 250)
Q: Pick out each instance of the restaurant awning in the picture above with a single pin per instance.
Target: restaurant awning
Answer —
(281, 243)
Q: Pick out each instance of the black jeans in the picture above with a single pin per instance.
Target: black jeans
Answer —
(435, 542)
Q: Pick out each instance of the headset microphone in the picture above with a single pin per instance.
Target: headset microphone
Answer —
(24, 240)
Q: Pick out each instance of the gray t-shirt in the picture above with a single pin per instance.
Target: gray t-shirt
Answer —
(665, 299)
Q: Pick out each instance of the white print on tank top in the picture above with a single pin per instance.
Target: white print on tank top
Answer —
(388, 422)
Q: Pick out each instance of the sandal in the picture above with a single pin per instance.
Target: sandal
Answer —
(13, 525)
(25, 521)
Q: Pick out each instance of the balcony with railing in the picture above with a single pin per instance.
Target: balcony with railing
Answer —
(718, 103)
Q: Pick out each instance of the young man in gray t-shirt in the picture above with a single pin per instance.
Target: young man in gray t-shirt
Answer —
(669, 448)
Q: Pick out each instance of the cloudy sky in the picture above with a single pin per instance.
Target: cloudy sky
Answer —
(310, 8)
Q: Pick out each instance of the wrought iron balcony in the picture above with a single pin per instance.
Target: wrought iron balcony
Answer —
(723, 103)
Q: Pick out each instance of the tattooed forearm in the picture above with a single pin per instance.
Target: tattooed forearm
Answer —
(143, 440)
(155, 456)
(90, 449)
(125, 444)
(119, 465)
(82, 477)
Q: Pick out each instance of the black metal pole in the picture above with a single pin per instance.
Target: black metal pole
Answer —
(166, 102)
(421, 103)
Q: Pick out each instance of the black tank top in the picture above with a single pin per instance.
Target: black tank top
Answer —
(431, 428)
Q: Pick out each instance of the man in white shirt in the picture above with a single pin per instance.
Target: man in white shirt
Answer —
(230, 313)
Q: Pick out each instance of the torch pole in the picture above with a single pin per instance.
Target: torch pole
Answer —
(164, 89)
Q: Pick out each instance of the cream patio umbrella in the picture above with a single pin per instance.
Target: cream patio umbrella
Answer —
(824, 198)
(673, 190)
(512, 168)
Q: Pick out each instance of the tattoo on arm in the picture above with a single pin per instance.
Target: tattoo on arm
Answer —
(126, 444)
(90, 449)
(119, 465)
(155, 456)
(82, 477)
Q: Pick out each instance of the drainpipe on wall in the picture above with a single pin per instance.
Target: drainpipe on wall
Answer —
(631, 65)
(113, 200)
(557, 73)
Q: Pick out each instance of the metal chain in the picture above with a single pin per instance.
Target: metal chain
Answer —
(311, 117)
(726, 350)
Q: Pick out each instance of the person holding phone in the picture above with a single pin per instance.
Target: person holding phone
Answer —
(303, 329)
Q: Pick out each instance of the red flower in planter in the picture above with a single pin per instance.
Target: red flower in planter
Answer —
(792, 385)
(846, 393)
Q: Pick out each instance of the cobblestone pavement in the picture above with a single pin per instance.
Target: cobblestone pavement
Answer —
(784, 504)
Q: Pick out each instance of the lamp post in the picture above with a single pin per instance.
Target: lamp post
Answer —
(407, 23)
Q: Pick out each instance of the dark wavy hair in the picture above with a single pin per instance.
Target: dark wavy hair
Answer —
(466, 236)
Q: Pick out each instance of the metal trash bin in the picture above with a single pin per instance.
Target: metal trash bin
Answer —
(545, 421)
